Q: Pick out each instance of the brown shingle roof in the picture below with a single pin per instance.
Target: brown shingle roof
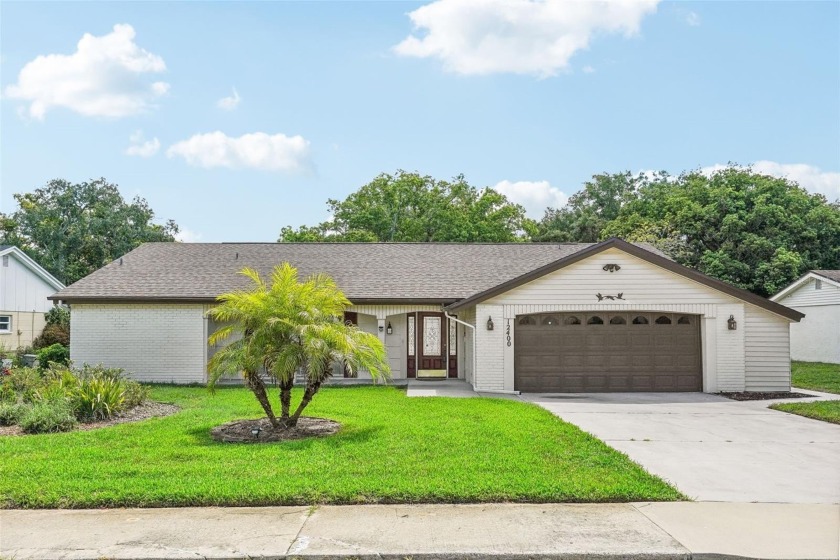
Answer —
(830, 274)
(433, 272)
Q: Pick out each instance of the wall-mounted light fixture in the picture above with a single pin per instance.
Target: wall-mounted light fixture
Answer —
(611, 267)
(489, 323)
(731, 323)
(381, 328)
(389, 330)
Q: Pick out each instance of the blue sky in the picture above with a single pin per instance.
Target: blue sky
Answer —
(531, 97)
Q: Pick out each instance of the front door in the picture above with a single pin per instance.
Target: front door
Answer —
(431, 350)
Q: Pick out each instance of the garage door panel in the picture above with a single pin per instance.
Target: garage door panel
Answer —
(622, 354)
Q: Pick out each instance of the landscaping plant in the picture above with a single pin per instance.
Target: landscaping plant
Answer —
(48, 416)
(54, 354)
(286, 327)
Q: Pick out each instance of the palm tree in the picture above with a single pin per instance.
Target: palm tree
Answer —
(286, 327)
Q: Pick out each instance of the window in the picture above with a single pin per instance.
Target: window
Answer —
(550, 320)
(453, 338)
(527, 320)
(5, 323)
(618, 320)
(595, 320)
(411, 335)
(684, 320)
(663, 320)
(817, 284)
(571, 320)
(640, 320)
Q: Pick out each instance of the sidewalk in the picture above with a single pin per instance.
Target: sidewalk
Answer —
(646, 530)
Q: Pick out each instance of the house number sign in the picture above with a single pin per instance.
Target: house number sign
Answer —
(507, 332)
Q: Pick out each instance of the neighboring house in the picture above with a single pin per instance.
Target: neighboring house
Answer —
(24, 289)
(817, 337)
(535, 317)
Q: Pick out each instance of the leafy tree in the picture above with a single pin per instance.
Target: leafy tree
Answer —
(588, 212)
(289, 326)
(73, 229)
(413, 207)
(754, 231)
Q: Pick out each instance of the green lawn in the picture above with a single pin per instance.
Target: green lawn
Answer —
(391, 449)
(827, 411)
(816, 376)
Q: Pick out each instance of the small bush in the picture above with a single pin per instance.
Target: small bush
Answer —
(55, 354)
(24, 381)
(100, 372)
(135, 394)
(11, 413)
(45, 417)
(51, 392)
(98, 399)
(52, 334)
(58, 315)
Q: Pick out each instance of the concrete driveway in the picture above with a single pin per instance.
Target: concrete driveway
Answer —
(713, 448)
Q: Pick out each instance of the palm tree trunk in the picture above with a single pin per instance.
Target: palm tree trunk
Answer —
(311, 389)
(286, 396)
(255, 383)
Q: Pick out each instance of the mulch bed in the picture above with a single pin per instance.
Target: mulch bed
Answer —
(758, 396)
(148, 409)
(241, 431)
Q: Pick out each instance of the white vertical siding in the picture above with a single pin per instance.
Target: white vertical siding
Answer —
(23, 290)
(807, 294)
(152, 342)
(731, 367)
(767, 351)
(397, 345)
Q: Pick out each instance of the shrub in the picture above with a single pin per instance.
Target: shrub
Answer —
(45, 417)
(24, 381)
(135, 394)
(58, 315)
(100, 372)
(52, 334)
(55, 354)
(11, 413)
(98, 399)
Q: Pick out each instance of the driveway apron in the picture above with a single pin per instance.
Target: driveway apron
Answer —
(710, 447)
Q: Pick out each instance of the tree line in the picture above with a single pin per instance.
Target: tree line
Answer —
(751, 230)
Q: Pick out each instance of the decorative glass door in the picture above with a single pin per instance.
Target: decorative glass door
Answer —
(432, 355)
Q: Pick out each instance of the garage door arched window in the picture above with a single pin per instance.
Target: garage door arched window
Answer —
(571, 320)
(640, 320)
(595, 320)
(663, 320)
(684, 320)
(550, 320)
(618, 320)
(527, 320)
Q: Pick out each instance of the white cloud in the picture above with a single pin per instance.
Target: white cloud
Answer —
(693, 19)
(535, 196)
(588, 69)
(103, 78)
(186, 235)
(229, 103)
(536, 37)
(811, 178)
(142, 147)
(257, 150)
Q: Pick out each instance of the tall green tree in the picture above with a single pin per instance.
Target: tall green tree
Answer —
(588, 211)
(285, 327)
(754, 231)
(72, 229)
(413, 207)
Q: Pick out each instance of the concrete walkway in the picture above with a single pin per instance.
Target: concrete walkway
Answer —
(713, 448)
(648, 530)
(440, 388)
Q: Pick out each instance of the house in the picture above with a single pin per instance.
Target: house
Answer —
(24, 289)
(531, 317)
(817, 337)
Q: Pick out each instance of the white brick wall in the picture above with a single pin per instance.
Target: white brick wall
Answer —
(490, 347)
(152, 342)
